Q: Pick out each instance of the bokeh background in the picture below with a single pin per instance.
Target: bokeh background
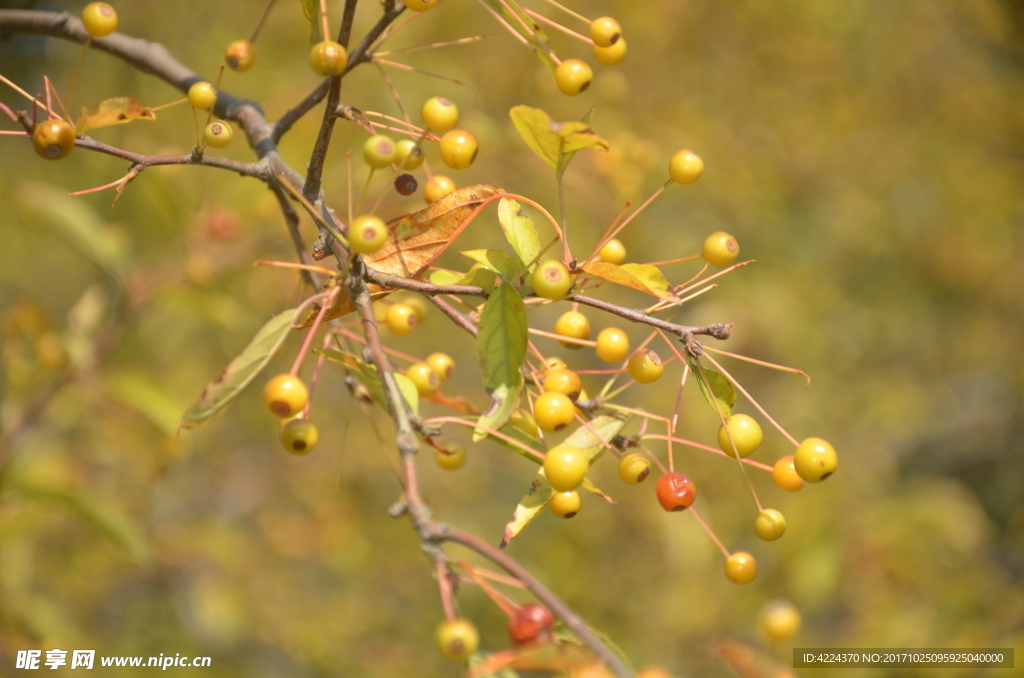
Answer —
(868, 155)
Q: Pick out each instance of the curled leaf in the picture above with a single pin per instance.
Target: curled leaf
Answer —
(555, 143)
(643, 277)
(240, 372)
(529, 507)
(112, 112)
(722, 389)
(370, 378)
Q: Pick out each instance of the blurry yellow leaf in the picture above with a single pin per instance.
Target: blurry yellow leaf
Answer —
(370, 378)
(750, 662)
(146, 397)
(112, 112)
(643, 277)
(495, 260)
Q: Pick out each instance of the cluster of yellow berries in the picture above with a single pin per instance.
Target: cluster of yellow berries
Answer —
(286, 396)
(574, 76)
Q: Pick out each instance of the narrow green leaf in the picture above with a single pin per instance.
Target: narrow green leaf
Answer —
(495, 260)
(146, 397)
(530, 506)
(721, 388)
(519, 230)
(535, 34)
(516, 434)
(311, 8)
(240, 372)
(370, 378)
(501, 348)
(643, 277)
(607, 426)
(565, 635)
(481, 277)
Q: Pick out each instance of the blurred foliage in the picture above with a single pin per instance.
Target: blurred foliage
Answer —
(868, 155)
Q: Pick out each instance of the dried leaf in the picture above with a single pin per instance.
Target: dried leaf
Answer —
(112, 112)
(240, 372)
(555, 143)
(501, 348)
(751, 662)
(457, 403)
(644, 277)
(519, 230)
(494, 665)
(416, 241)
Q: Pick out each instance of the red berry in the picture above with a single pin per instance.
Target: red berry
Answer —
(531, 625)
(676, 492)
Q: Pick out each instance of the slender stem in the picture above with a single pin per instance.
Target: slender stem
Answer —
(711, 533)
(752, 401)
(558, 26)
(74, 79)
(569, 11)
(263, 20)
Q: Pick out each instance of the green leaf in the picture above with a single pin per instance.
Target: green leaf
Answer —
(240, 372)
(501, 348)
(721, 388)
(311, 8)
(516, 434)
(519, 230)
(554, 142)
(530, 506)
(481, 277)
(74, 222)
(96, 512)
(495, 260)
(535, 33)
(607, 426)
(643, 277)
(370, 378)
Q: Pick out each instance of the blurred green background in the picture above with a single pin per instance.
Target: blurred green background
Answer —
(868, 155)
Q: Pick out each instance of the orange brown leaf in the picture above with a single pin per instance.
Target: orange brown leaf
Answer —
(112, 112)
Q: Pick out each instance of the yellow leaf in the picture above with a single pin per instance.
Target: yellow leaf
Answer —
(112, 112)
(644, 277)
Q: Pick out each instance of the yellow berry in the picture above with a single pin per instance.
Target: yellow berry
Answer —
(419, 5)
(785, 476)
(379, 151)
(611, 55)
(423, 378)
(328, 58)
(456, 639)
(741, 568)
(99, 19)
(438, 187)
(565, 504)
(565, 467)
(575, 325)
(612, 345)
(417, 304)
(634, 468)
(645, 366)
(563, 381)
(746, 433)
(285, 395)
(439, 114)
(613, 252)
(770, 524)
(53, 139)
(605, 31)
(240, 55)
(451, 456)
(299, 436)
(202, 95)
(217, 134)
(551, 279)
(401, 319)
(685, 167)
(573, 76)
(458, 149)
(525, 422)
(720, 249)
(815, 459)
(556, 364)
(779, 620)
(553, 411)
(367, 233)
(441, 363)
(408, 155)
